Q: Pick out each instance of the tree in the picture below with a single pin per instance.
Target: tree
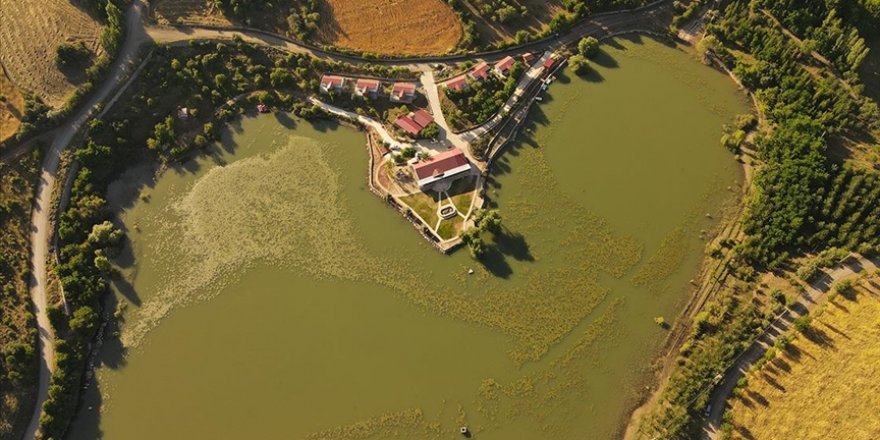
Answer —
(84, 321)
(488, 220)
(579, 64)
(588, 47)
(103, 264)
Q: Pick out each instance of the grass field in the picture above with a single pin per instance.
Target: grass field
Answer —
(31, 30)
(17, 330)
(404, 27)
(11, 107)
(823, 386)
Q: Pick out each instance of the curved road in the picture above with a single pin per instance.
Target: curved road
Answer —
(41, 226)
(136, 35)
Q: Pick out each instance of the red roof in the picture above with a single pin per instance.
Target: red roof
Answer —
(440, 163)
(332, 80)
(368, 84)
(402, 88)
(549, 63)
(456, 83)
(505, 64)
(408, 125)
(422, 118)
(480, 71)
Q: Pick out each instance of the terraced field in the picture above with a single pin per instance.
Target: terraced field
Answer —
(31, 30)
(404, 27)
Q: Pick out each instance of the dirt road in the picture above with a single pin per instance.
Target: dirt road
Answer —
(41, 226)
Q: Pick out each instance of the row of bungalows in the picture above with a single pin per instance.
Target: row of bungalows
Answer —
(370, 88)
(481, 71)
(414, 122)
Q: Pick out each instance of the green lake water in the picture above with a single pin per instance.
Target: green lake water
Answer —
(270, 295)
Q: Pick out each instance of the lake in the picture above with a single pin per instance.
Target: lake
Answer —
(269, 294)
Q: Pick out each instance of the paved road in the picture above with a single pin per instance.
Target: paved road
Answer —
(41, 226)
(815, 293)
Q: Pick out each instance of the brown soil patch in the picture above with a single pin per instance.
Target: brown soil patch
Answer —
(11, 107)
(190, 12)
(399, 27)
(31, 30)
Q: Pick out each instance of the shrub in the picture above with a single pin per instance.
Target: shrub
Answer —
(71, 54)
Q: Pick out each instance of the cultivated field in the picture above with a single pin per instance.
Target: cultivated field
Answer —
(824, 385)
(404, 27)
(31, 30)
(189, 11)
(11, 107)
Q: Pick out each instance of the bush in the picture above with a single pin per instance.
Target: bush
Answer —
(71, 54)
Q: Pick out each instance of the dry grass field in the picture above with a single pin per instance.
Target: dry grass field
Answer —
(188, 11)
(31, 30)
(11, 107)
(404, 27)
(823, 386)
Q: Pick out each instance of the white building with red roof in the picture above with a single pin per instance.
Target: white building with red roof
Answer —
(503, 67)
(331, 83)
(447, 165)
(480, 72)
(408, 125)
(457, 84)
(403, 92)
(367, 87)
(422, 118)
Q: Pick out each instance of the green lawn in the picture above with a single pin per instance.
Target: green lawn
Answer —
(450, 228)
(462, 193)
(425, 205)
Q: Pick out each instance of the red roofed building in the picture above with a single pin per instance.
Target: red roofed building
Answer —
(549, 63)
(403, 92)
(408, 125)
(422, 118)
(446, 165)
(331, 83)
(366, 87)
(480, 72)
(503, 67)
(528, 58)
(457, 84)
